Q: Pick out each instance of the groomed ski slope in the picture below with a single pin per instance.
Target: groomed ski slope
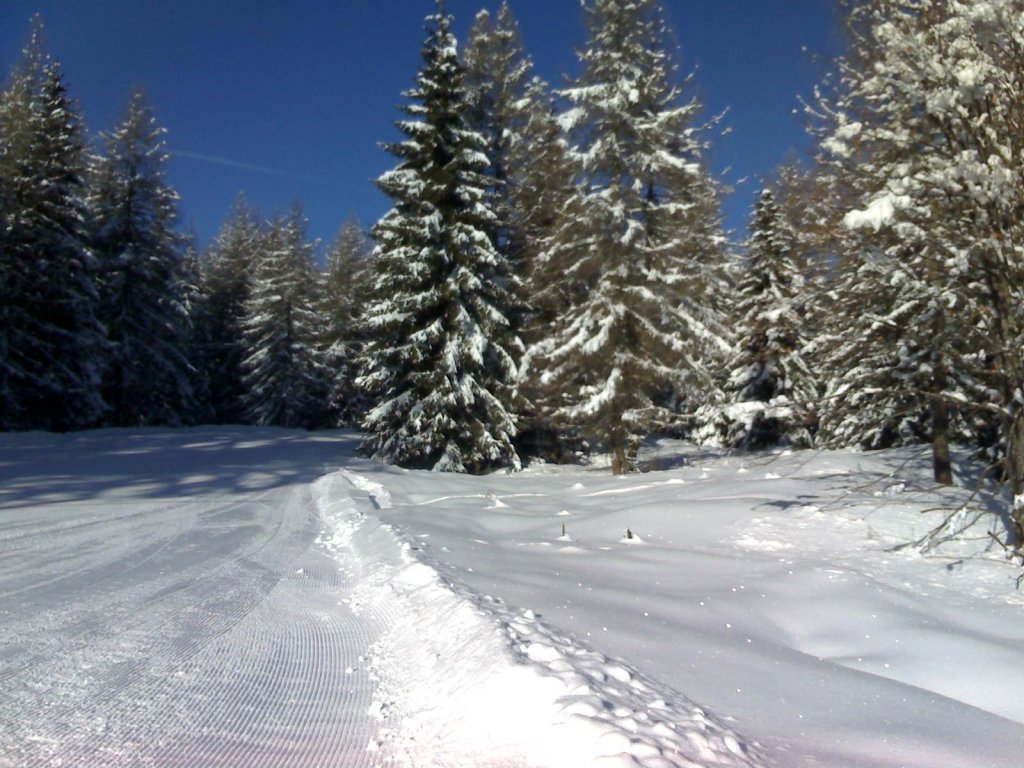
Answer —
(260, 597)
(163, 603)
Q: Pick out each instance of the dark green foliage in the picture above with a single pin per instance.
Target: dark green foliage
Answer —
(51, 343)
(226, 279)
(148, 378)
(440, 359)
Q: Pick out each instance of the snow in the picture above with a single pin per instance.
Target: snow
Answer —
(262, 597)
(163, 603)
(879, 212)
(838, 143)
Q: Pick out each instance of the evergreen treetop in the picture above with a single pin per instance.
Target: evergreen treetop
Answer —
(638, 251)
(51, 343)
(134, 212)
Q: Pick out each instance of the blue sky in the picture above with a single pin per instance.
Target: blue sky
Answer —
(288, 101)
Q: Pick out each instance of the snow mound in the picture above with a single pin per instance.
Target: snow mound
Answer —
(338, 510)
(379, 495)
(463, 679)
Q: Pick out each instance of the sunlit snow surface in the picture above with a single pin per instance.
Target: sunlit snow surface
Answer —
(163, 603)
(256, 597)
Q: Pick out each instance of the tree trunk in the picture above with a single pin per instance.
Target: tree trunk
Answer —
(1015, 473)
(941, 462)
(940, 442)
(618, 447)
(631, 455)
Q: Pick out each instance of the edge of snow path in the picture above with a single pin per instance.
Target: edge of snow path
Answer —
(463, 679)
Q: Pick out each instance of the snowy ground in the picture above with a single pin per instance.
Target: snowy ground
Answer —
(163, 602)
(259, 597)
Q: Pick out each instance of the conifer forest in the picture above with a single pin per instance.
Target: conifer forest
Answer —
(553, 276)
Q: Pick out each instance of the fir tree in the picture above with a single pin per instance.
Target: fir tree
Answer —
(441, 358)
(901, 132)
(285, 379)
(497, 76)
(530, 178)
(344, 296)
(51, 343)
(226, 279)
(148, 377)
(771, 389)
(194, 300)
(544, 177)
(638, 253)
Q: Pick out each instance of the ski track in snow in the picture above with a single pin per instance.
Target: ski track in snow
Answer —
(198, 632)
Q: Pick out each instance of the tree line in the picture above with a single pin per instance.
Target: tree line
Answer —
(553, 273)
(111, 317)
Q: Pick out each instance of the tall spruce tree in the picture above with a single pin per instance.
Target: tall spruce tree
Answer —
(498, 74)
(194, 300)
(920, 127)
(227, 283)
(638, 250)
(148, 377)
(441, 357)
(344, 295)
(543, 180)
(771, 389)
(285, 378)
(51, 343)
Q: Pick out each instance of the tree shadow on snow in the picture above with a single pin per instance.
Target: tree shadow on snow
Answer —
(46, 468)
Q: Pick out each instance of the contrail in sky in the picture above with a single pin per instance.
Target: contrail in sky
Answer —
(252, 167)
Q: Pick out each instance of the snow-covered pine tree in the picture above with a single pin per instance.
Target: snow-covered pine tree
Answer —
(344, 295)
(441, 358)
(638, 252)
(530, 178)
(51, 343)
(194, 300)
(285, 378)
(497, 75)
(226, 280)
(543, 180)
(771, 390)
(908, 129)
(148, 377)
